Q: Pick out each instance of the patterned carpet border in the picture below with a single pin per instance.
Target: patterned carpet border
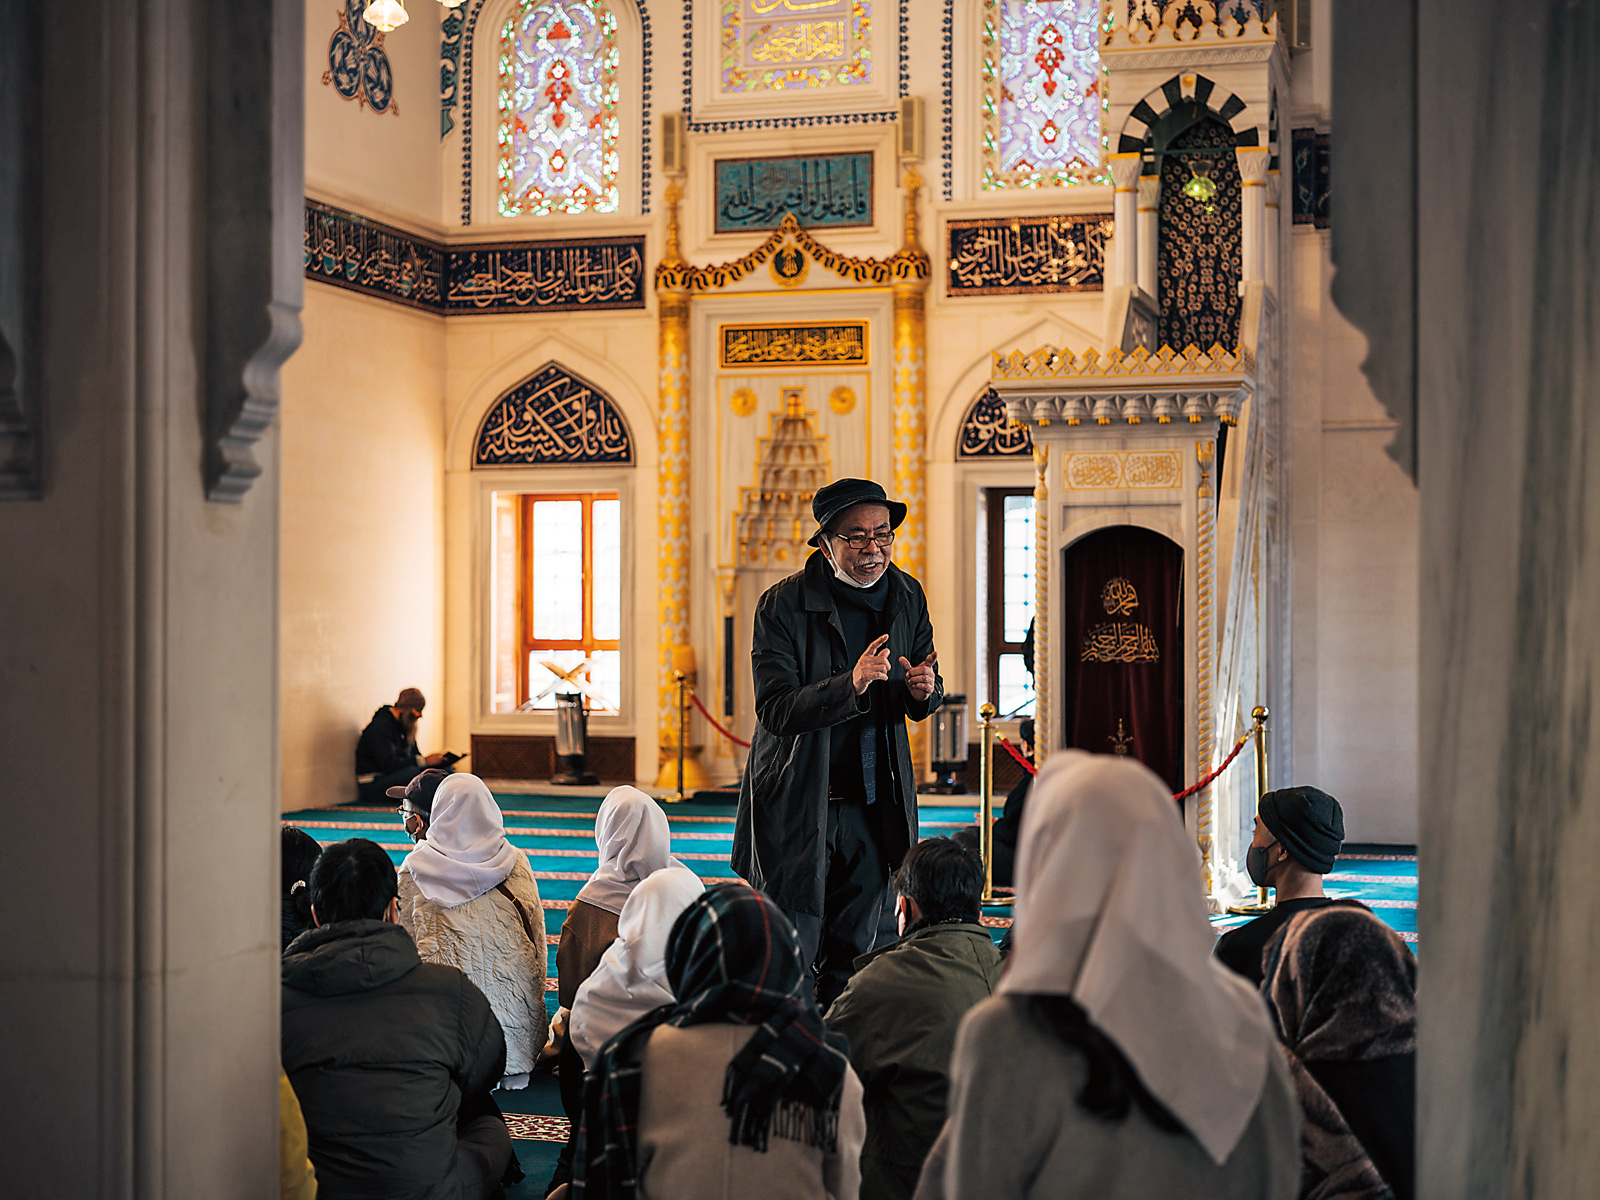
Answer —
(531, 1127)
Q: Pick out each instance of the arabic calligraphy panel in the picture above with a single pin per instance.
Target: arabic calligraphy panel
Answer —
(1132, 469)
(988, 431)
(780, 45)
(1003, 256)
(554, 276)
(821, 190)
(553, 417)
(841, 344)
(351, 252)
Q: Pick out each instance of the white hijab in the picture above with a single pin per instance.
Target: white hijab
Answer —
(631, 833)
(466, 852)
(1110, 912)
(632, 976)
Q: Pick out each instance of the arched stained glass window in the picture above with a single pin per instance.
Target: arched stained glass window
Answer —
(559, 94)
(1043, 93)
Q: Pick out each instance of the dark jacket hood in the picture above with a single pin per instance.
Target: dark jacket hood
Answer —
(347, 957)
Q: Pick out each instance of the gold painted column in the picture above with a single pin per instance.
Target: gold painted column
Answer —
(1205, 652)
(1043, 738)
(909, 267)
(672, 505)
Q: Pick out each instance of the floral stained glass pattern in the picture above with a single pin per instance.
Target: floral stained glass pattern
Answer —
(559, 122)
(1043, 93)
(776, 45)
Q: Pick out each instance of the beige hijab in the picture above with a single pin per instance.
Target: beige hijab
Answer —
(1110, 912)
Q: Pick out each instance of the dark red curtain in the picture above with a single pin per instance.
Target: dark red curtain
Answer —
(1122, 628)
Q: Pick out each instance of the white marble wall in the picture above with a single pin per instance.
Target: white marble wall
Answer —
(1507, 351)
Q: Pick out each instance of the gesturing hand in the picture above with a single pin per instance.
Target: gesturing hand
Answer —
(920, 678)
(872, 665)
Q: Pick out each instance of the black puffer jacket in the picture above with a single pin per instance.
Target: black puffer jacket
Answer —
(381, 1047)
(803, 689)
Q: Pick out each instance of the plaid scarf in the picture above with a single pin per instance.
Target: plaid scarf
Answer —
(732, 958)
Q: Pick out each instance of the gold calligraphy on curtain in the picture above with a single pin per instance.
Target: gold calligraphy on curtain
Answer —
(1120, 641)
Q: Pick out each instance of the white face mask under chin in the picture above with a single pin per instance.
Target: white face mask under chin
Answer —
(839, 574)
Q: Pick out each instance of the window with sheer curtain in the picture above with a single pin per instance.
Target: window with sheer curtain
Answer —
(559, 96)
(558, 599)
(1043, 93)
(1008, 606)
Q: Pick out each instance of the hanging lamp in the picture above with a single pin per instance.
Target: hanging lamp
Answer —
(385, 15)
(1200, 186)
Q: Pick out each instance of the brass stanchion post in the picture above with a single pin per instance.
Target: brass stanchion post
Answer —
(683, 724)
(986, 716)
(1259, 716)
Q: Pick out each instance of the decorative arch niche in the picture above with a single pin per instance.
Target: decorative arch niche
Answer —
(555, 417)
(987, 432)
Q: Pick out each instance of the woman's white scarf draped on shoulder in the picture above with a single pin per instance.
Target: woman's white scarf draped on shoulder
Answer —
(1110, 912)
(631, 979)
(631, 834)
(466, 852)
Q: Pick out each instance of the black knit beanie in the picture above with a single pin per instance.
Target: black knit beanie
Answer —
(1308, 823)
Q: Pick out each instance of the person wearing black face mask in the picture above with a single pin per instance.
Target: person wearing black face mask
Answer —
(1299, 832)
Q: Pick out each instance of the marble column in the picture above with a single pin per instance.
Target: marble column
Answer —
(1252, 215)
(673, 648)
(1149, 225)
(1274, 227)
(1125, 174)
(139, 619)
(1465, 249)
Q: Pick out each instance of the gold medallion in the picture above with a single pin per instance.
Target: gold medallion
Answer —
(743, 402)
(842, 399)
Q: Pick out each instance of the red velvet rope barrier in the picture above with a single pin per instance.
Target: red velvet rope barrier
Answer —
(717, 725)
(1183, 795)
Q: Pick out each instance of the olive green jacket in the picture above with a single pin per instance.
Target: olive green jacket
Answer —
(900, 1012)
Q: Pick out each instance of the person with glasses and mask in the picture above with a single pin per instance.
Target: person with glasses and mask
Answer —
(842, 654)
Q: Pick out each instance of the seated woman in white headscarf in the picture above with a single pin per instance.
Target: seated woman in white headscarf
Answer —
(1119, 1060)
(469, 901)
(631, 979)
(634, 842)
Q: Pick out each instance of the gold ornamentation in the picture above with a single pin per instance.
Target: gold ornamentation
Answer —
(842, 399)
(1152, 470)
(1049, 362)
(902, 266)
(1092, 471)
(1042, 731)
(1121, 741)
(789, 266)
(1118, 597)
(783, 345)
(1205, 655)
(743, 402)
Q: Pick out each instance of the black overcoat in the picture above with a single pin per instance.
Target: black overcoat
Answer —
(803, 689)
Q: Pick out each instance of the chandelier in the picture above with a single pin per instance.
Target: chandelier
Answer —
(389, 15)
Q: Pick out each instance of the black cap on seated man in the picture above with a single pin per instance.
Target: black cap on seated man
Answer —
(841, 655)
(416, 801)
(386, 753)
(390, 1057)
(1299, 832)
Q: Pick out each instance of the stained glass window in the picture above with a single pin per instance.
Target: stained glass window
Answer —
(1043, 93)
(559, 123)
(775, 45)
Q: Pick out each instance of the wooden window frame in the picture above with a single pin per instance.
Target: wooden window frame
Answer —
(995, 645)
(526, 642)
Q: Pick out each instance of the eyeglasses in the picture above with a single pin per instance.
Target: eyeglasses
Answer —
(860, 541)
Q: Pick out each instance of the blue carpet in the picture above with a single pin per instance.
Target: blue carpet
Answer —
(557, 833)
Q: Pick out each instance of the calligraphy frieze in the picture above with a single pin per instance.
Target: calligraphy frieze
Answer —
(554, 417)
(351, 251)
(839, 344)
(361, 255)
(1116, 469)
(559, 276)
(1004, 256)
(821, 190)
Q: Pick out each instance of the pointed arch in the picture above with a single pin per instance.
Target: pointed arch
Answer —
(555, 416)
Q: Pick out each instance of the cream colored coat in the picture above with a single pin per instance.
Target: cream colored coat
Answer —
(485, 940)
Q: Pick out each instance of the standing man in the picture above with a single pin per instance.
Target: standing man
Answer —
(842, 654)
(386, 754)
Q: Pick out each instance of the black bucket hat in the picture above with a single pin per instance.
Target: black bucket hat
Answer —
(843, 494)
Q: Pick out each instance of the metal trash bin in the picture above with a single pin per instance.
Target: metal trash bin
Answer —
(949, 745)
(572, 742)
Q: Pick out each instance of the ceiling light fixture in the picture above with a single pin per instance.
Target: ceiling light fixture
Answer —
(387, 15)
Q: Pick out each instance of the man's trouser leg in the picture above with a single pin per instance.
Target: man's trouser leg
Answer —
(483, 1151)
(853, 896)
(373, 791)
